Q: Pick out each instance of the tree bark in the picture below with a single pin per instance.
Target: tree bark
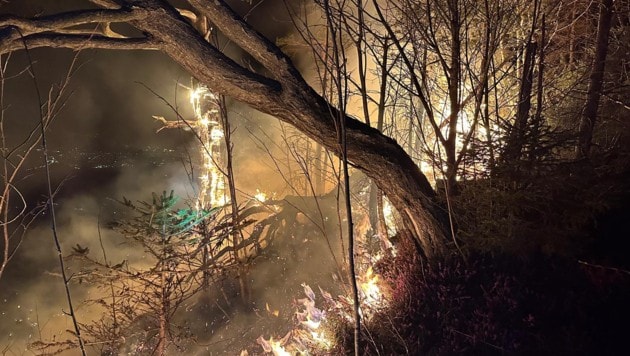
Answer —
(596, 79)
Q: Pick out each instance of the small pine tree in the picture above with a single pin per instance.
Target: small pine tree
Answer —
(142, 299)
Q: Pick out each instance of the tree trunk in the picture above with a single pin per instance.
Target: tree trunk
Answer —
(237, 234)
(160, 348)
(514, 146)
(538, 117)
(454, 81)
(596, 79)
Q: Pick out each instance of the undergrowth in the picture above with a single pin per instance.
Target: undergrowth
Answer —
(498, 305)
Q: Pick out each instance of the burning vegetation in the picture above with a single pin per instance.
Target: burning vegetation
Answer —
(442, 180)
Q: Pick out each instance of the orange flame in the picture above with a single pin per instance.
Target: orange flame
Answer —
(212, 184)
(276, 347)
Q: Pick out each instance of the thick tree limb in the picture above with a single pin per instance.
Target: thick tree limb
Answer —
(68, 19)
(10, 40)
(187, 46)
(239, 32)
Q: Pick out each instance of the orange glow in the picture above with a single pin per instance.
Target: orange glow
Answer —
(260, 196)
(276, 347)
(210, 133)
(369, 287)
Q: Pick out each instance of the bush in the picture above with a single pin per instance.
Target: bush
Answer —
(496, 305)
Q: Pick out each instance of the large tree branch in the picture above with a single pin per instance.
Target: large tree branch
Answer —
(187, 46)
(11, 40)
(60, 30)
(241, 33)
(69, 19)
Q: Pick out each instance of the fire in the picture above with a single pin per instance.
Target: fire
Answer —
(369, 286)
(310, 332)
(311, 317)
(260, 196)
(321, 339)
(273, 346)
(204, 121)
(210, 133)
(312, 321)
(216, 134)
(274, 312)
(388, 213)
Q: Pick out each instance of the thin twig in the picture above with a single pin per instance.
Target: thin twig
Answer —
(51, 204)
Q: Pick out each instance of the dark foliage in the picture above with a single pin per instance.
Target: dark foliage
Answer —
(553, 209)
(500, 305)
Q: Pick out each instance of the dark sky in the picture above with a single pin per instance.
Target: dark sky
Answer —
(105, 146)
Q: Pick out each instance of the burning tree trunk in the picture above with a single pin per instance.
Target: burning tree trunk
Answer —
(283, 93)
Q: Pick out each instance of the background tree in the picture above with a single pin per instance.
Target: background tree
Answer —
(596, 77)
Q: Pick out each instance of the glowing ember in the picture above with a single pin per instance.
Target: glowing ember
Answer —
(311, 317)
(274, 312)
(388, 213)
(321, 340)
(369, 286)
(273, 346)
(204, 121)
(260, 196)
(216, 134)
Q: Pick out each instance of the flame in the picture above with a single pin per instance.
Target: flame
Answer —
(273, 346)
(275, 312)
(310, 334)
(372, 297)
(260, 196)
(321, 339)
(369, 286)
(216, 134)
(210, 133)
(388, 213)
(204, 121)
(196, 94)
(311, 324)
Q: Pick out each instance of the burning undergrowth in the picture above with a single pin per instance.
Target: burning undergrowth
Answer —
(321, 319)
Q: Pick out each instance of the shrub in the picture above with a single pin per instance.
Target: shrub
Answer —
(495, 305)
